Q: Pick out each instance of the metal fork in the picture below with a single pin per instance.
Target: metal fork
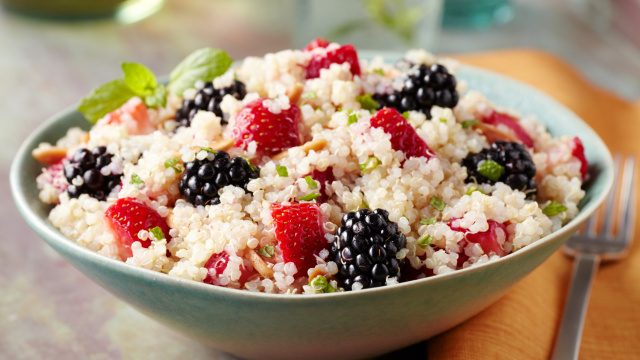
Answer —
(591, 246)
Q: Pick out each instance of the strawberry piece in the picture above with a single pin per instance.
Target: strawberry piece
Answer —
(341, 55)
(126, 217)
(317, 43)
(578, 152)
(409, 273)
(403, 136)
(134, 115)
(488, 240)
(496, 118)
(272, 133)
(300, 234)
(54, 176)
(218, 263)
(323, 177)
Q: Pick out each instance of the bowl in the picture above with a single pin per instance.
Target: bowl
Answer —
(338, 325)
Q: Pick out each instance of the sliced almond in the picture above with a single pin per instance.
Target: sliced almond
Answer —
(316, 145)
(49, 155)
(295, 92)
(260, 265)
(494, 134)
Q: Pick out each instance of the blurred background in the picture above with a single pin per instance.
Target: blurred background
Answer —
(53, 52)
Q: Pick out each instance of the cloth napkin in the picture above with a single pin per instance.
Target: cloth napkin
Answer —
(523, 324)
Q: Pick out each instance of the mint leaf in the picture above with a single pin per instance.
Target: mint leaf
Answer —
(367, 102)
(103, 100)
(282, 170)
(490, 169)
(321, 284)
(554, 208)
(139, 78)
(157, 233)
(310, 182)
(353, 118)
(405, 114)
(267, 251)
(201, 65)
(310, 197)
(136, 180)
(425, 241)
(437, 203)
(174, 163)
(158, 98)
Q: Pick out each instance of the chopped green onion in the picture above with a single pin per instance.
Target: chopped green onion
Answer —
(174, 164)
(554, 208)
(136, 180)
(405, 115)
(267, 251)
(425, 241)
(352, 119)
(367, 102)
(490, 169)
(428, 221)
(437, 203)
(157, 233)
(472, 189)
(309, 95)
(378, 71)
(312, 183)
(321, 284)
(443, 120)
(282, 170)
(208, 149)
(309, 197)
(469, 123)
(370, 164)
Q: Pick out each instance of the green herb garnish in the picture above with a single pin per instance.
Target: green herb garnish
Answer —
(208, 149)
(443, 120)
(428, 221)
(469, 123)
(425, 241)
(309, 95)
(282, 170)
(310, 197)
(321, 284)
(174, 163)
(367, 102)
(201, 65)
(472, 189)
(437, 203)
(378, 71)
(405, 114)
(554, 208)
(370, 164)
(267, 251)
(310, 182)
(490, 169)
(352, 119)
(157, 233)
(136, 180)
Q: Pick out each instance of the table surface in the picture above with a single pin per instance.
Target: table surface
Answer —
(50, 310)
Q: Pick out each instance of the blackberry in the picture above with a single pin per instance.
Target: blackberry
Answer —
(517, 168)
(89, 172)
(365, 249)
(202, 179)
(424, 87)
(208, 98)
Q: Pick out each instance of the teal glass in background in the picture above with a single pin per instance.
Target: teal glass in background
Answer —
(126, 11)
(476, 13)
(369, 24)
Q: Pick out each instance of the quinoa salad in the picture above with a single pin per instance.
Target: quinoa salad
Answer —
(306, 171)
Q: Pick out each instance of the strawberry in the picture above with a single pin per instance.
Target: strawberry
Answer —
(488, 240)
(272, 133)
(403, 136)
(323, 178)
(343, 54)
(134, 115)
(300, 234)
(216, 265)
(496, 118)
(578, 152)
(126, 217)
(317, 43)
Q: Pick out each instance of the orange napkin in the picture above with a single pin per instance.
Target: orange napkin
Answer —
(523, 324)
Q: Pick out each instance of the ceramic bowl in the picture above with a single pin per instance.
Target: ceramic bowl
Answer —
(339, 325)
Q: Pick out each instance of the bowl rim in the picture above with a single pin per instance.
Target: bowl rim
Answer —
(43, 230)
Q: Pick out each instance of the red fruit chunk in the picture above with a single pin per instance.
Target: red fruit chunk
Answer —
(495, 118)
(578, 152)
(272, 133)
(299, 231)
(218, 263)
(409, 273)
(323, 177)
(54, 175)
(126, 217)
(341, 55)
(488, 240)
(403, 136)
(134, 115)
(317, 43)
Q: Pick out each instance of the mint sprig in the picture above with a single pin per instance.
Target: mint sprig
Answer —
(202, 65)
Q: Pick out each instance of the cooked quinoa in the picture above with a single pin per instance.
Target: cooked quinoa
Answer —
(445, 219)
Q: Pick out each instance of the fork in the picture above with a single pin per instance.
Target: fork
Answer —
(589, 248)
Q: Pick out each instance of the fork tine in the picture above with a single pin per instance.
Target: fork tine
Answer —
(608, 208)
(627, 201)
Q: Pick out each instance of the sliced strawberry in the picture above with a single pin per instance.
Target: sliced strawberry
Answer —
(496, 118)
(403, 136)
(272, 133)
(341, 55)
(488, 240)
(317, 43)
(127, 217)
(300, 234)
(323, 178)
(134, 115)
(216, 265)
(578, 152)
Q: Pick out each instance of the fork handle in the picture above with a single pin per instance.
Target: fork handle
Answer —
(568, 339)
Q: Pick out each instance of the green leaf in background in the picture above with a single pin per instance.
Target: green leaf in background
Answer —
(105, 99)
(396, 16)
(202, 65)
(139, 78)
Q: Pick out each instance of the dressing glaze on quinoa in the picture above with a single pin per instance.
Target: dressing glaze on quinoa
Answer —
(306, 171)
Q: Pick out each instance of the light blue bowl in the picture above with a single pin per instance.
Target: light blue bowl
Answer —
(338, 325)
